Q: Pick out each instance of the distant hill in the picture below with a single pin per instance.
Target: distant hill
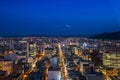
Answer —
(112, 36)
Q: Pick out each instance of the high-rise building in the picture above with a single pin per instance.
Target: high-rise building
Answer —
(11, 44)
(31, 50)
(27, 50)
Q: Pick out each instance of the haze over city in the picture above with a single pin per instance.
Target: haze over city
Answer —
(58, 17)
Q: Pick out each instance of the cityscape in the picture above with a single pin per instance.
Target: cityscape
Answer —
(59, 39)
(59, 58)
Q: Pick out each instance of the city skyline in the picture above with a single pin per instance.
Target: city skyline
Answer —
(21, 18)
(59, 58)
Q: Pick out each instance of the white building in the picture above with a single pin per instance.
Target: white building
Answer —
(54, 75)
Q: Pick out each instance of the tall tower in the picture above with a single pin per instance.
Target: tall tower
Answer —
(11, 44)
(27, 49)
(32, 49)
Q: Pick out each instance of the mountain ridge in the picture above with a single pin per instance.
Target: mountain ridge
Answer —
(111, 36)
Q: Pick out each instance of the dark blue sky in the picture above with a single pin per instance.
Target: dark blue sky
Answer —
(31, 17)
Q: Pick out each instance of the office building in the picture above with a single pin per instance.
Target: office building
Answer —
(112, 59)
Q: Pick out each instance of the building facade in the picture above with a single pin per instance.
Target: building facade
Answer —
(6, 65)
(112, 59)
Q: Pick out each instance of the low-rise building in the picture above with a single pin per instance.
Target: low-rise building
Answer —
(94, 76)
(6, 65)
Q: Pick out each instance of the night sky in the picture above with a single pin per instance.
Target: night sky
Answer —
(58, 17)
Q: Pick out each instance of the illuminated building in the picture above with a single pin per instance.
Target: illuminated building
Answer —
(74, 43)
(6, 65)
(54, 74)
(32, 49)
(74, 49)
(85, 45)
(54, 61)
(18, 68)
(57, 75)
(27, 50)
(12, 44)
(112, 59)
(92, 74)
(49, 52)
(21, 55)
(11, 56)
